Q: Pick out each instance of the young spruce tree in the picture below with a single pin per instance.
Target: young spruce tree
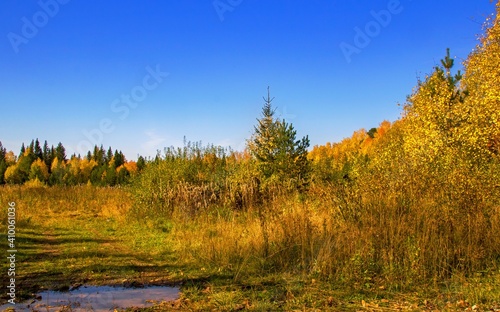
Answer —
(281, 159)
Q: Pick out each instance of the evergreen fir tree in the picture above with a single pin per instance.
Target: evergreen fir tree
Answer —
(122, 176)
(291, 161)
(119, 158)
(263, 144)
(3, 163)
(3, 152)
(447, 64)
(280, 156)
(60, 152)
(23, 149)
(52, 154)
(141, 163)
(46, 154)
(96, 155)
(38, 150)
(109, 155)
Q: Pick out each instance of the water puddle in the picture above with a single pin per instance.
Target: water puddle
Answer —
(97, 298)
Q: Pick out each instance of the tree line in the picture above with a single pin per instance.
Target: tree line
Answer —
(44, 165)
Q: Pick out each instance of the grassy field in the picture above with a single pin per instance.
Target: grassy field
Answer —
(66, 236)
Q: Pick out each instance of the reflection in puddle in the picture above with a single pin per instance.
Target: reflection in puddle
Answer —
(97, 298)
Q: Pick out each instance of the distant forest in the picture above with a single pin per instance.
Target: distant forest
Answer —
(36, 165)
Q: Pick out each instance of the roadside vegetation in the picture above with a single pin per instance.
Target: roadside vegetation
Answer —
(402, 216)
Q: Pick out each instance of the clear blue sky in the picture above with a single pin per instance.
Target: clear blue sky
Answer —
(69, 67)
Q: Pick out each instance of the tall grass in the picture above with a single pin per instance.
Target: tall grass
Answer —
(189, 180)
(367, 231)
(358, 233)
(46, 206)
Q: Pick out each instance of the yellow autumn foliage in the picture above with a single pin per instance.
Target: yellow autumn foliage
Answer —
(39, 171)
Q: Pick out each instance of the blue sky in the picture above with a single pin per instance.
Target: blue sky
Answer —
(139, 76)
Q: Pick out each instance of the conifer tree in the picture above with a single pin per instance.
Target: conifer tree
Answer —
(263, 144)
(52, 155)
(280, 157)
(109, 175)
(60, 152)
(109, 155)
(46, 154)
(3, 152)
(141, 163)
(37, 150)
(3, 163)
(23, 149)
(119, 158)
(98, 155)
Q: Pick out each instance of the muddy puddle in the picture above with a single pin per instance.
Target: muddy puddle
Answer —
(96, 298)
